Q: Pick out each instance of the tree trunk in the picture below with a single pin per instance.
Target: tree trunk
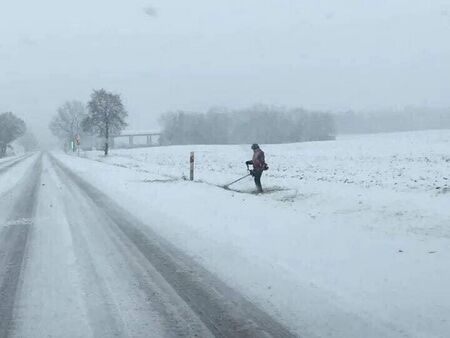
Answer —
(107, 140)
(3, 148)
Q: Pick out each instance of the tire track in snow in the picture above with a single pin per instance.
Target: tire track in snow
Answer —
(12, 163)
(13, 243)
(111, 267)
(223, 311)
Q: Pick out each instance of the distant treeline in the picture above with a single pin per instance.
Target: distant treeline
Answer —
(260, 124)
(407, 119)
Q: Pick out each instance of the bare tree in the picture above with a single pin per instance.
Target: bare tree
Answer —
(11, 128)
(66, 124)
(261, 124)
(106, 115)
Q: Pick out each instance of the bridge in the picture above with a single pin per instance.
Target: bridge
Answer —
(126, 139)
(135, 139)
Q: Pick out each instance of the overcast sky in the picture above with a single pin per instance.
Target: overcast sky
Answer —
(166, 54)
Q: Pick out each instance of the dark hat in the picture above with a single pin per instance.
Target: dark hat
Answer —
(255, 146)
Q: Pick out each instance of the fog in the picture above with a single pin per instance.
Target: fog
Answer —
(164, 55)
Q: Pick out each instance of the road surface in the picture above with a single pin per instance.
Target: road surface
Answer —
(73, 263)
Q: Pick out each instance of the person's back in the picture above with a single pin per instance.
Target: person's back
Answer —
(258, 160)
(259, 165)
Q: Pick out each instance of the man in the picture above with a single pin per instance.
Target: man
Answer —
(259, 165)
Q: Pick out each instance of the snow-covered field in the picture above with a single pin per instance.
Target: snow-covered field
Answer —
(351, 240)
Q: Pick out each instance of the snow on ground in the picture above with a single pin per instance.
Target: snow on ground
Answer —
(9, 179)
(351, 240)
(7, 159)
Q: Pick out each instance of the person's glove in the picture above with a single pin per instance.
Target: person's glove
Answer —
(252, 172)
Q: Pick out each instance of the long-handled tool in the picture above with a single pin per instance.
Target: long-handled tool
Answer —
(240, 179)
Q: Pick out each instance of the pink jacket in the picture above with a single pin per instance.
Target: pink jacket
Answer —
(259, 160)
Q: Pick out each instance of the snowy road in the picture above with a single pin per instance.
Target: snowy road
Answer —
(73, 263)
(11, 163)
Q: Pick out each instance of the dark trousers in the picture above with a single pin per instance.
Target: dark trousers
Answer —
(257, 176)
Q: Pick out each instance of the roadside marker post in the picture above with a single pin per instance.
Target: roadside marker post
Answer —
(78, 141)
(192, 162)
